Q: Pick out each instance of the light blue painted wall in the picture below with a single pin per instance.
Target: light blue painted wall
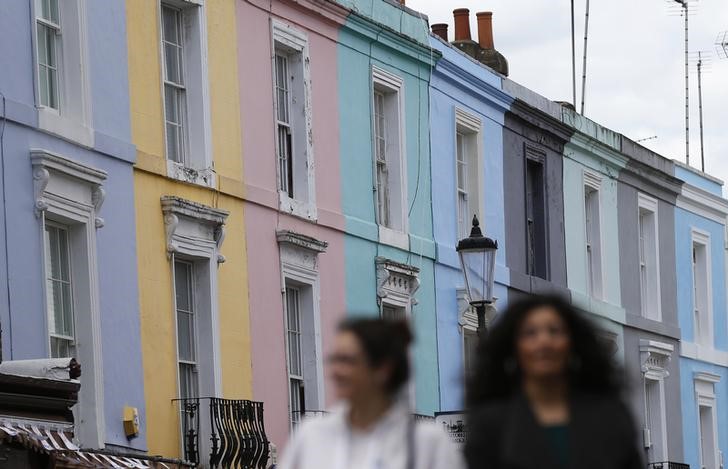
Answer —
(459, 82)
(690, 416)
(695, 178)
(24, 331)
(363, 42)
(684, 222)
(577, 162)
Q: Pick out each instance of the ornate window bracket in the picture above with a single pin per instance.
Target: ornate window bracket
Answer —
(193, 228)
(66, 184)
(655, 358)
(397, 281)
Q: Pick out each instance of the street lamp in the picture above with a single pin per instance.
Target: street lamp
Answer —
(477, 257)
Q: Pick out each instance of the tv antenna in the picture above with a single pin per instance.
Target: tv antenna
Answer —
(721, 45)
(702, 60)
(685, 8)
(654, 137)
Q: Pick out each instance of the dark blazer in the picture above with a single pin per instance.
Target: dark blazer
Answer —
(506, 435)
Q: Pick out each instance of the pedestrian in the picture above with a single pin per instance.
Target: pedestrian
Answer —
(546, 394)
(372, 426)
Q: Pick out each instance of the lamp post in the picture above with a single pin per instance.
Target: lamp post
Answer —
(477, 257)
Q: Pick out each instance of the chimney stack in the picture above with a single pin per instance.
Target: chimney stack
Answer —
(463, 39)
(462, 24)
(485, 29)
(487, 53)
(440, 30)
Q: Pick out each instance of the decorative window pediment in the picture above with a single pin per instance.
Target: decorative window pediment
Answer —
(193, 229)
(68, 187)
(655, 358)
(299, 250)
(397, 282)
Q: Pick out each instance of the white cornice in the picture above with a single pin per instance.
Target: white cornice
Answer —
(703, 203)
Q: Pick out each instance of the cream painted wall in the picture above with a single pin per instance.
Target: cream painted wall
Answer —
(151, 183)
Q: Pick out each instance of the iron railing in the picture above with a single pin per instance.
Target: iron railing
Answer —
(234, 428)
(298, 416)
(668, 465)
(423, 418)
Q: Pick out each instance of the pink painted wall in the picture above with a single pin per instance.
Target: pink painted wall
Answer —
(261, 209)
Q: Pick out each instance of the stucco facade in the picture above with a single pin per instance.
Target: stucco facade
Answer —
(534, 137)
(464, 90)
(202, 222)
(700, 222)
(651, 334)
(382, 39)
(291, 252)
(59, 160)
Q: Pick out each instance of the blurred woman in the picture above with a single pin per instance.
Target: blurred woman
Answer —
(545, 394)
(373, 427)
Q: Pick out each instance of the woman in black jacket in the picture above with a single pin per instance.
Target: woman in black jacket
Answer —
(546, 395)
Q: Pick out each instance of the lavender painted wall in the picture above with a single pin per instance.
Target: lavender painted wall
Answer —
(24, 315)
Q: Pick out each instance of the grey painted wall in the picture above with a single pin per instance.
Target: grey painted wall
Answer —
(527, 127)
(649, 173)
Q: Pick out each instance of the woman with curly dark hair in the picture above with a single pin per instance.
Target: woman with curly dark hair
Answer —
(545, 394)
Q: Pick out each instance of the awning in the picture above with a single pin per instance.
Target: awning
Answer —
(58, 445)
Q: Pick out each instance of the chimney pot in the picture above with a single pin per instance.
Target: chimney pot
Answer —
(485, 29)
(440, 29)
(462, 24)
(402, 2)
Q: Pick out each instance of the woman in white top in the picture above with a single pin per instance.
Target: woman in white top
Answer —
(373, 427)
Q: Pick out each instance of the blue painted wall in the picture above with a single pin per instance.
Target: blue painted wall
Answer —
(23, 317)
(367, 39)
(460, 82)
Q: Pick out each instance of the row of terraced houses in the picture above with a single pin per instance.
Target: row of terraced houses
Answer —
(195, 192)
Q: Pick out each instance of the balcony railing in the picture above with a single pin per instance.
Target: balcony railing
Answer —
(230, 431)
(668, 465)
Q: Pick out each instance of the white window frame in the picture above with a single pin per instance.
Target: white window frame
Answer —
(198, 167)
(592, 184)
(650, 294)
(702, 307)
(68, 229)
(284, 36)
(300, 268)
(72, 118)
(705, 397)
(396, 235)
(71, 193)
(655, 358)
(195, 233)
(471, 128)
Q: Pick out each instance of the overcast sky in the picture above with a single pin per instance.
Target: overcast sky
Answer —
(635, 65)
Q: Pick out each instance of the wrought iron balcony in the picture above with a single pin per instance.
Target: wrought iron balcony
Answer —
(668, 465)
(223, 433)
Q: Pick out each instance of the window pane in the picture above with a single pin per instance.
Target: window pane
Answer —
(48, 10)
(282, 92)
(173, 63)
(170, 26)
(187, 381)
(62, 348)
(186, 336)
(183, 282)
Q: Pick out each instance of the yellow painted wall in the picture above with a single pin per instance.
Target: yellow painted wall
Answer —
(151, 183)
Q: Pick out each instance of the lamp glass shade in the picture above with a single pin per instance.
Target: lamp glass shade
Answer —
(479, 270)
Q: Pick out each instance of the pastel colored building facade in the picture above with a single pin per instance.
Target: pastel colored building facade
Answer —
(533, 147)
(467, 115)
(67, 235)
(592, 162)
(293, 200)
(384, 64)
(188, 198)
(700, 244)
(646, 208)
